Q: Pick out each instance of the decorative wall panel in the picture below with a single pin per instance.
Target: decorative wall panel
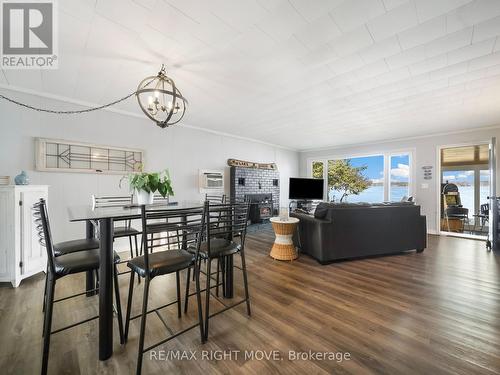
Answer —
(67, 156)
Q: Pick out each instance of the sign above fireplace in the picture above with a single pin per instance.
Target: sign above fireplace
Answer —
(251, 164)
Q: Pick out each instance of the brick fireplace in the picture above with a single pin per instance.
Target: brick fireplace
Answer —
(260, 187)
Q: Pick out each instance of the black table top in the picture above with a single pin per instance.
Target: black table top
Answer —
(84, 212)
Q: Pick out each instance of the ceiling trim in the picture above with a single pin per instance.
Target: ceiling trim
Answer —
(132, 114)
(460, 131)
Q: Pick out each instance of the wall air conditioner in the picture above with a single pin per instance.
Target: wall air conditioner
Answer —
(211, 180)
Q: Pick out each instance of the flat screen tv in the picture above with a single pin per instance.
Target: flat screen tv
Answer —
(306, 188)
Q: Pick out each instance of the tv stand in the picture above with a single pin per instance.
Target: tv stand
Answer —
(303, 205)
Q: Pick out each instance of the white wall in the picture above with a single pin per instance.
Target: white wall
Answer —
(182, 150)
(425, 153)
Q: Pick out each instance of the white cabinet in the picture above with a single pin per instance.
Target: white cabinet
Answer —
(21, 255)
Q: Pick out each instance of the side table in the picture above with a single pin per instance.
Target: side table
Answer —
(283, 247)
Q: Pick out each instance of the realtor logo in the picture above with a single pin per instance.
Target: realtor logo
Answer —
(28, 35)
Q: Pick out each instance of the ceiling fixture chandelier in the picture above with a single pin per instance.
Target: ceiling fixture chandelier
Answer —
(161, 100)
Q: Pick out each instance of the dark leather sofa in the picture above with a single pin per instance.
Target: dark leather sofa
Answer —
(347, 231)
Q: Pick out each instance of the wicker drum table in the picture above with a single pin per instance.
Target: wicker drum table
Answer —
(283, 247)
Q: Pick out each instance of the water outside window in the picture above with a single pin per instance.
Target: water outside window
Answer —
(400, 177)
(465, 182)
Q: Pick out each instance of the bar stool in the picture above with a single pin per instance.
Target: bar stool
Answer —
(225, 224)
(121, 231)
(64, 265)
(215, 199)
(177, 229)
(69, 247)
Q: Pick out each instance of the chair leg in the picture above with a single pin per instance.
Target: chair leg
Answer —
(129, 304)
(198, 268)
(137, 253)
(217, 278)
(97, 280)
(245, 280)
(45, 289)
(143, 325)
(45, 298)
(223, 272)
(196, 271)
(131, 247)
(207, 297)
(48, 323)
(136, 246)
(186, 298)
(179, 303)
(118, 305)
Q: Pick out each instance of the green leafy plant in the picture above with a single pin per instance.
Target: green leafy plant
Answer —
(151, 182)
(317, 171)
(345, 178)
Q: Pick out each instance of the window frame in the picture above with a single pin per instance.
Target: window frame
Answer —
(387, 167)
(410, 174)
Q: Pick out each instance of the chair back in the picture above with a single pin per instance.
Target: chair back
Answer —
(215, 198)
(159, 200)
(228, 220)
(174, 228)
(485, 208)
(42, 227)
(113, 201)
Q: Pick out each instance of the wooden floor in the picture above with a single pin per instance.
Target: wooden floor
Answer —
(430, 313)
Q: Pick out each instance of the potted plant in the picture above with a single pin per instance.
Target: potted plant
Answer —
(144, 185)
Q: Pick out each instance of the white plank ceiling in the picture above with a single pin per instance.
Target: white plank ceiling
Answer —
(299, 73)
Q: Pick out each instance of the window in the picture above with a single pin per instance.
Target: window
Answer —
(464, 179)
(389, 176)
(400, 177)
(484, 184)
(372, 168)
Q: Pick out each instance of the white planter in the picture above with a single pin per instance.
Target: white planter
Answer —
(143, 197)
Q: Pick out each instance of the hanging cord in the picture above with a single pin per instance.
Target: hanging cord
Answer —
(67, 112)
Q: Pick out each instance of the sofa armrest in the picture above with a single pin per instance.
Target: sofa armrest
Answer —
(422, 239)
(310, 234)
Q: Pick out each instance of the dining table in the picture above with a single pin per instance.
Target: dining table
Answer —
(100, 220)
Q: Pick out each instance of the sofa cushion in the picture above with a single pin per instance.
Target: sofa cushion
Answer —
(323, 208)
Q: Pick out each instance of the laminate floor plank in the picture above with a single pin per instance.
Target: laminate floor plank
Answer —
(437, 312)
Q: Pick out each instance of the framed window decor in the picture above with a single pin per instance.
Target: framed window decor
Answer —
(67, 156)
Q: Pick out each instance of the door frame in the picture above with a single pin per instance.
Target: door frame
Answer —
(438, 187)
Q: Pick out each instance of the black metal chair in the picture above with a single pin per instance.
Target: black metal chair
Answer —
(121, 231)
(158, 200)
(458, 213)
(483, 216)
(181, 228)
(69, 247)
(215, 198)
(63, 265)
(226, 225)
